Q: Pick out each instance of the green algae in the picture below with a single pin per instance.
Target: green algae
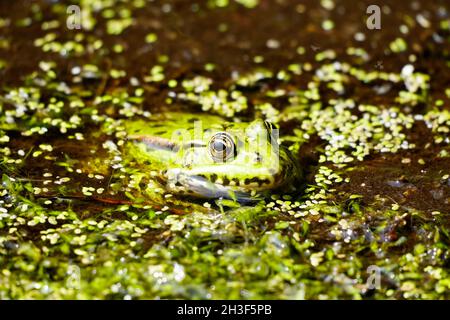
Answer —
(75, 222)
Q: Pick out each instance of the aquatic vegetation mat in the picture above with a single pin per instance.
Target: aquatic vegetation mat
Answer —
(364, 112)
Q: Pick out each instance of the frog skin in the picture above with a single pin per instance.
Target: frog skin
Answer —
(205, 156)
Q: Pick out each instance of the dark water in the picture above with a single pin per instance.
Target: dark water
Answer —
(389, 208)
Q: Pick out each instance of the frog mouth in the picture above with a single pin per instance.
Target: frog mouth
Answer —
(198, 186)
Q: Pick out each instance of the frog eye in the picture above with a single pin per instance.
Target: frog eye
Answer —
(271, 130)
(269, 125)
(222, 147)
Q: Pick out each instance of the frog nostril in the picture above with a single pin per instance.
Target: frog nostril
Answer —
(178, 184)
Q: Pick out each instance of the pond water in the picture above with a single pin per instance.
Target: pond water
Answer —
(364, 113)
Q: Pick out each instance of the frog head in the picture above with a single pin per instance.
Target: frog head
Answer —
(230, 160)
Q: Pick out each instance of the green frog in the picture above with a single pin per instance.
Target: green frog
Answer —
(205, 156)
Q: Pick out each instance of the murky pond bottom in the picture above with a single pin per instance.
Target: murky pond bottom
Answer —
(365, 113)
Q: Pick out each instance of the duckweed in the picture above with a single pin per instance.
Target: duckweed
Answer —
(369, 128)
